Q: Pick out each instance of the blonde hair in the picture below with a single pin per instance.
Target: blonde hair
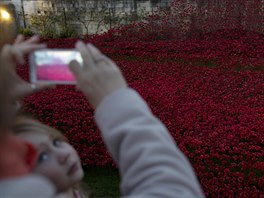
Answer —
(25, 123)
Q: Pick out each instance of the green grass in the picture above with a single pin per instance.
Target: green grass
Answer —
(248, 68)
(102, 182)
(198, 62)
(194, 62)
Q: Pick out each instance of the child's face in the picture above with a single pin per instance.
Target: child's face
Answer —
(57, 160)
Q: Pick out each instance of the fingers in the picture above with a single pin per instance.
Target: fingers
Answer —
(19, 39)
(75, 67)
(27, 46)
(32, 47)
(95, 52)
(26, 89)
(18, 56)
(99, 57)
(15, 53)
(9, 53)
(33, 39)
(92, 57)
(41, 86)
(18, 52)
(6, 51)
(86, 55)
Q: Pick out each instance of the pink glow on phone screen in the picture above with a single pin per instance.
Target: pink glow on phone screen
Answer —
(57, 72)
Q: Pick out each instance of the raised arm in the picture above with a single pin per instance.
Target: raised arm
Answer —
(150, 163)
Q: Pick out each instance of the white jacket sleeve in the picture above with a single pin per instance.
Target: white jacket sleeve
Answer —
(31, 186)
(149, 161)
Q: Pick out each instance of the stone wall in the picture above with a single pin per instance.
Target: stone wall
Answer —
(87, 16)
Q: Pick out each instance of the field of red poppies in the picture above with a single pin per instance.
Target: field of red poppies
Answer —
(208, 91)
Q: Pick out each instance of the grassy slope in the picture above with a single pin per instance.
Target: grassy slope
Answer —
(102, 182)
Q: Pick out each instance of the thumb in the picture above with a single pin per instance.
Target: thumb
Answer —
(75, 67)
(41, 86)
(24, 90)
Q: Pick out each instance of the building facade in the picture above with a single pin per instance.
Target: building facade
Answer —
(85, 16)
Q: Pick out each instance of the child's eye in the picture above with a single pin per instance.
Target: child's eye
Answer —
(42, 157)
(57, 142)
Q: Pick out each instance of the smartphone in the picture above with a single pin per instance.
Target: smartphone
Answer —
(51, 66)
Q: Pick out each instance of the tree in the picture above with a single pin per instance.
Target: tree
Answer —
(44, 23)
(92, 12)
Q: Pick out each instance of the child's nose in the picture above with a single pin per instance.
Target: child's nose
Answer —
(63, 157)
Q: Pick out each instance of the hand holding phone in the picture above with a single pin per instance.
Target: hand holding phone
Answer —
(51, 66)
(99, 76)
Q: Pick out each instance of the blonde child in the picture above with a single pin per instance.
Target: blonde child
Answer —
(56, 158)
(149, 161)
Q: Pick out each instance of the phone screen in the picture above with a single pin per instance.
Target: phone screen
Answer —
(51, 66)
